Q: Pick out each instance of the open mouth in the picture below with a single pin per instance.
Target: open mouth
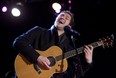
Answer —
(61, 21)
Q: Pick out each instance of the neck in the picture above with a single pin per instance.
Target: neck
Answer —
(60, 32)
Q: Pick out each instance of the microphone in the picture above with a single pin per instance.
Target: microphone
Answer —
(67, 29)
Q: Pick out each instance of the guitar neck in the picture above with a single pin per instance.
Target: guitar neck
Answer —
(79, 51)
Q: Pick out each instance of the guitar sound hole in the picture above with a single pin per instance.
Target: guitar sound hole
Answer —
(52, 61)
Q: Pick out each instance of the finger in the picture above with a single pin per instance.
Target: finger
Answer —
(91, 47)
(86, 51)
(87, 47)
(47, 66)
(47, 61)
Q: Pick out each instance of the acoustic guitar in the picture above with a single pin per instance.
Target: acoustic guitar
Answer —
(58, 59)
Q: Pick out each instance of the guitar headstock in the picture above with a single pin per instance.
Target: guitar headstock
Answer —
(108, 41)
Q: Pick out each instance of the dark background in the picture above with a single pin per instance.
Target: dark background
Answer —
(94, 19)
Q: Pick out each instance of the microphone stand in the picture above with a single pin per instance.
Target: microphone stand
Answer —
(76, 59)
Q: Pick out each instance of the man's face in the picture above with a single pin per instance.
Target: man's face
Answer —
(62, 20)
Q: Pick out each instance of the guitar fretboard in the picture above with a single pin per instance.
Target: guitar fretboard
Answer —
(79, 50)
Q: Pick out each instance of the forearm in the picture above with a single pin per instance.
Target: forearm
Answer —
(25, 48)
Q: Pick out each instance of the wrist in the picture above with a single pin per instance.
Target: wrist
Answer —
(89, 61)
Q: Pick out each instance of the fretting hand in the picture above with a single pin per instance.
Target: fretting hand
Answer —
(88, 50)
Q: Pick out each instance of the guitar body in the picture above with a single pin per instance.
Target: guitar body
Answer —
(25, 69)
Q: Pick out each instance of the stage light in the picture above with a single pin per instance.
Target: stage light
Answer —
(15, 12)
(4, 9)
(16, 9)
(60, 5)
(56, 7)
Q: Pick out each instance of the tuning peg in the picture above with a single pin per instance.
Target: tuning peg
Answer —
(112, 36)
(103, 46)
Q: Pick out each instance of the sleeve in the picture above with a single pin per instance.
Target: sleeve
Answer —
(85, 66)
(23, 44)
